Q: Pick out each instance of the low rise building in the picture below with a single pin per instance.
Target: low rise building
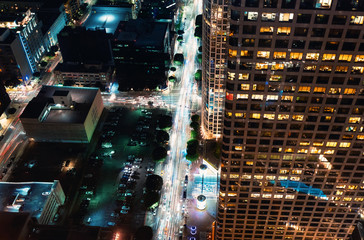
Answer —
(63, 114)
(40, 199)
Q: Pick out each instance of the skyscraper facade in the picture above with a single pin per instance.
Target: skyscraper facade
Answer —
(214, 31)
(292, 148)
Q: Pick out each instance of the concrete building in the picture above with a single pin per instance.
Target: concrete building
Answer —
(214, 29)
(39, 199)
(63, 114)
(87, 58)
(292, 148)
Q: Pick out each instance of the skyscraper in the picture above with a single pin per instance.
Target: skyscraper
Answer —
(213, 66)
(292, 148)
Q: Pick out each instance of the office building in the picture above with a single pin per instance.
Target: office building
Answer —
(292, 148)
(40, 199)
(214, 31)
(63, 114)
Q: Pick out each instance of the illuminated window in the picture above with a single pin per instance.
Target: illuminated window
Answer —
(229, 96)
(345, 57)
(359, 58)
(268, 17)
(267, 195)
(338, 192)
(255, 116)
(319, 90)
(263, 54)
(289, 150)
(323, 4)
(278, 66)
(286, 17)
(243, 76)
(246, 177)
(357, 69)
(315, 151)
(297, 117)
(245, 53)
(359, 199)
(283, 116)
(249, 163)
(331, 144)
(289, 196)
(233, 53)
(283, 171)
(279, 55)
(304, 143)
(244, 87)
(334, 90)
(261, 66)
(328, 57)
(302, 150)
(318, 144)
(238, 148)
(325, 68)
(349, 91)
(342, 69)
(344, 144)
(312, 56)
(357, 20)
(360, 137)
(347, 199)
(329, 109)
(257, 97)
(295, 56)
(310, 68)
(242, 96)
(329, 152)
(354, 120)
(283, 30)
(287, 98)
(231, 76)
(255, 195)
(234, 175)
(267, 30)
(259, 177)
(314, 109)
(229, 114)
(278, 196)
(275, 78)
(251, 15)
(272, 98)
(269, 116)
(350, 129)
(305, 89)
(239, 115)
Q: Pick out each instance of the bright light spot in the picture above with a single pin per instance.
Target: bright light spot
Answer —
(107, 18)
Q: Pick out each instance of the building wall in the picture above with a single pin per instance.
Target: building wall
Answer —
(84, 79)
(292, 157)
(213, 66)
(94, 115)
(50, 37)
(55, 200)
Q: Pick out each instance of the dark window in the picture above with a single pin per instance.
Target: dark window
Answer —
(348, 46)
(361, 47)
(307, 4)
(265, 43)
(322, 80)
(351, 33)
(249, 29)
(335, 33)
(331, 101)
(338, 80)
(346, 101)
(321, 19)
(288, 3)
(303, 18)
(307, 79)
(318, 32)
(349, 5)
(233, 41)
(248, 42)
(300, 32)
(234, 29)
(236, 3)
(291, 78)
(353, 81)
(270, 3)
(281, 44)
(298, 44)
(235, 15)
(315, 45)
(252, 3)
(332, 46)
(339, 20)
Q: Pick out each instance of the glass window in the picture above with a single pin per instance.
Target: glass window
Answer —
(319, 90)
(244, 87)
(297, 117)
(324, 4)
(275, 78)
(286, 17)
(255, 116)
(357, 70)
(272, 98)
(250, 16)
(240, 115)
(334, 90)
(328, 57)
(257, 97)
(295, 56)
(269, 116)
(357, 20)
(349, 91)
(310, 68)
(325, 68)
(331, 144)
(341, 69)
(243, 76)
(268, 17)
(266, 30)
(287, 98)
(232, 53)
(283, 30)
(261, 66)
(344, 144)
(279, 55)
(305, 89)
(312, 56)
(354, 120)
(359, 58)
(283, 116)
(263, 54)
(242, 96)
(278, 66)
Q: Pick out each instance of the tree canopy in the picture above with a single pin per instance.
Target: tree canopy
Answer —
(164, 121)
(159, 154)
(154, 183)
(161, 136)
(151, 199)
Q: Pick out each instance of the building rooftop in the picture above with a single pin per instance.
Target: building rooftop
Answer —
(107, 17)
(25, 196)
(81, 68)
(82, 98)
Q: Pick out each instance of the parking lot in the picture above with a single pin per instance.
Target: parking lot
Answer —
(111, 192)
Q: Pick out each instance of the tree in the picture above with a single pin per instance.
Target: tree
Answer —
(161, 136)
(200, 48)
(180, 32)
(194, 134)
(198, 32)
(43, 63)
(165, 121)
(178, 59)
(144, 233)
(192, 146)
(198, 21)
(172, 79)
(180, 38)
(154, 183)
(195, 126)
(151, 199)
(199, 57)
(198, 75)
(159, 154)
(173, 69)
(54, 48)
(195, 118)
